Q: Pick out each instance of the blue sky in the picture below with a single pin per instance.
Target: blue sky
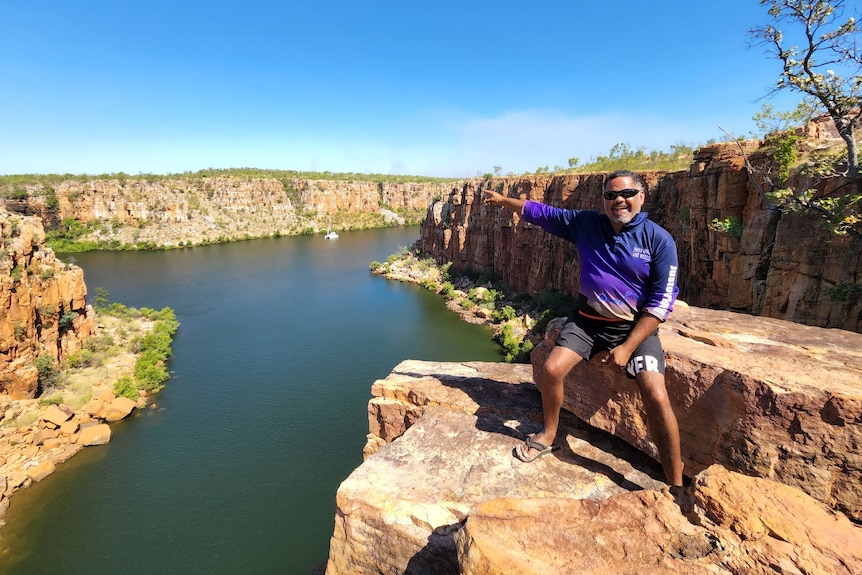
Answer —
(438, 88)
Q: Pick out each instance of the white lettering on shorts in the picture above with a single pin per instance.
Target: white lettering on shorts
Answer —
(643, 363)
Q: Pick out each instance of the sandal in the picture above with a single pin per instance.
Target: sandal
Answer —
(530, 443)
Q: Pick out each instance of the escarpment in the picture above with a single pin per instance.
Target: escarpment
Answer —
(170, 212)
(785, 266)
(43, 307)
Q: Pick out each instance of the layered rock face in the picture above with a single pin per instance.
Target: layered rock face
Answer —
(440, 491)
(171, 212)
(43, 308)
(779, 265)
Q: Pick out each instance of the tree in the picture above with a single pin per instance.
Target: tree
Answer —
(828, 48)
(826, 68)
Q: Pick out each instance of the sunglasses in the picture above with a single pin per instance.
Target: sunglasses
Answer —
(629, 193)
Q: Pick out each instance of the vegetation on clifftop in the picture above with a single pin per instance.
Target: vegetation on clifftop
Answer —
(254, 173)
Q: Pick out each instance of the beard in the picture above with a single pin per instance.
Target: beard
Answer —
(622, 217)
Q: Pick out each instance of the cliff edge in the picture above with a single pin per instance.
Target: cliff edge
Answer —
(771, 427)
(43, 306)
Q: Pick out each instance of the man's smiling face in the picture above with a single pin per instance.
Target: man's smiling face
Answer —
(619, 209)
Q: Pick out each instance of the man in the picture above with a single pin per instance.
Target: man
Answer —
(628, 267)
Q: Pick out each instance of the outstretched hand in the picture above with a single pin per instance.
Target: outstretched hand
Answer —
(498, 199)
(492, 197)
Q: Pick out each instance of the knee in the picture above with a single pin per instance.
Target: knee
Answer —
(555, 370)
(653, 389)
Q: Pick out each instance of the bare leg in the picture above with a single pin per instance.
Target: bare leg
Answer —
(560, 362)
(662, 423)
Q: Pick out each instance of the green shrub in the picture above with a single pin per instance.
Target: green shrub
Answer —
(506, 313)
(447, 290)
(82, 358)
(53, 399)
(844, 291)
(125, 387)
(550, 304)
(98, 343)
(19, 193)
(150, 371)
(445, 271)
(729, 226)
(67, 320)
(46, 370)
(102, 300)
(150, 368)
(516, 350)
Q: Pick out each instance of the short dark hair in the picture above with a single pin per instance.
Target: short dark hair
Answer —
(624, 174)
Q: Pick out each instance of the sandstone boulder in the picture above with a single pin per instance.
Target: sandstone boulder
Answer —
(98, 434)
(69, 428)
(57, 414)
(42, 470)
(119, 408)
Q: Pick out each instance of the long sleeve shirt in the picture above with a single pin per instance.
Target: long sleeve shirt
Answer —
(622, 275)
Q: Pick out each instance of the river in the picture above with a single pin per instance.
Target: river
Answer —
(235, 468)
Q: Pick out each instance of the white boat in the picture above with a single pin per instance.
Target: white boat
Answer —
(330, 235)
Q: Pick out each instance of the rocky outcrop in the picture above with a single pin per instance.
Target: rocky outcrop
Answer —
(191, 211)
(43, 308)
(740, 525)
(442, 436)
(440, 492)
(760, 396)
(32, 451)
(777, 265)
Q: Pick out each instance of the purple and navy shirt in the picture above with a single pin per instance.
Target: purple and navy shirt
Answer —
(622, 275)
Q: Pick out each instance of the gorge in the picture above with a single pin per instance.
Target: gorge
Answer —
(439, 487)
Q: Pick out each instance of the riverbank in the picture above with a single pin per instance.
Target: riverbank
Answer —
(517, 321)
(75, 408)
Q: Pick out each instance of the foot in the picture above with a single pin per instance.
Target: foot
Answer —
(534, 447)
(682, 497)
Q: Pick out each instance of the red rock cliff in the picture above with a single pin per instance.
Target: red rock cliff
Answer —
(43, 308)
(780, 266)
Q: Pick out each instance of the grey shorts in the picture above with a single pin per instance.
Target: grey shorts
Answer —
(587, 337)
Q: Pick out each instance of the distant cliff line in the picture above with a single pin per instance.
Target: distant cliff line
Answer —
(768, 263)
(163, 212)
(764, 262)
